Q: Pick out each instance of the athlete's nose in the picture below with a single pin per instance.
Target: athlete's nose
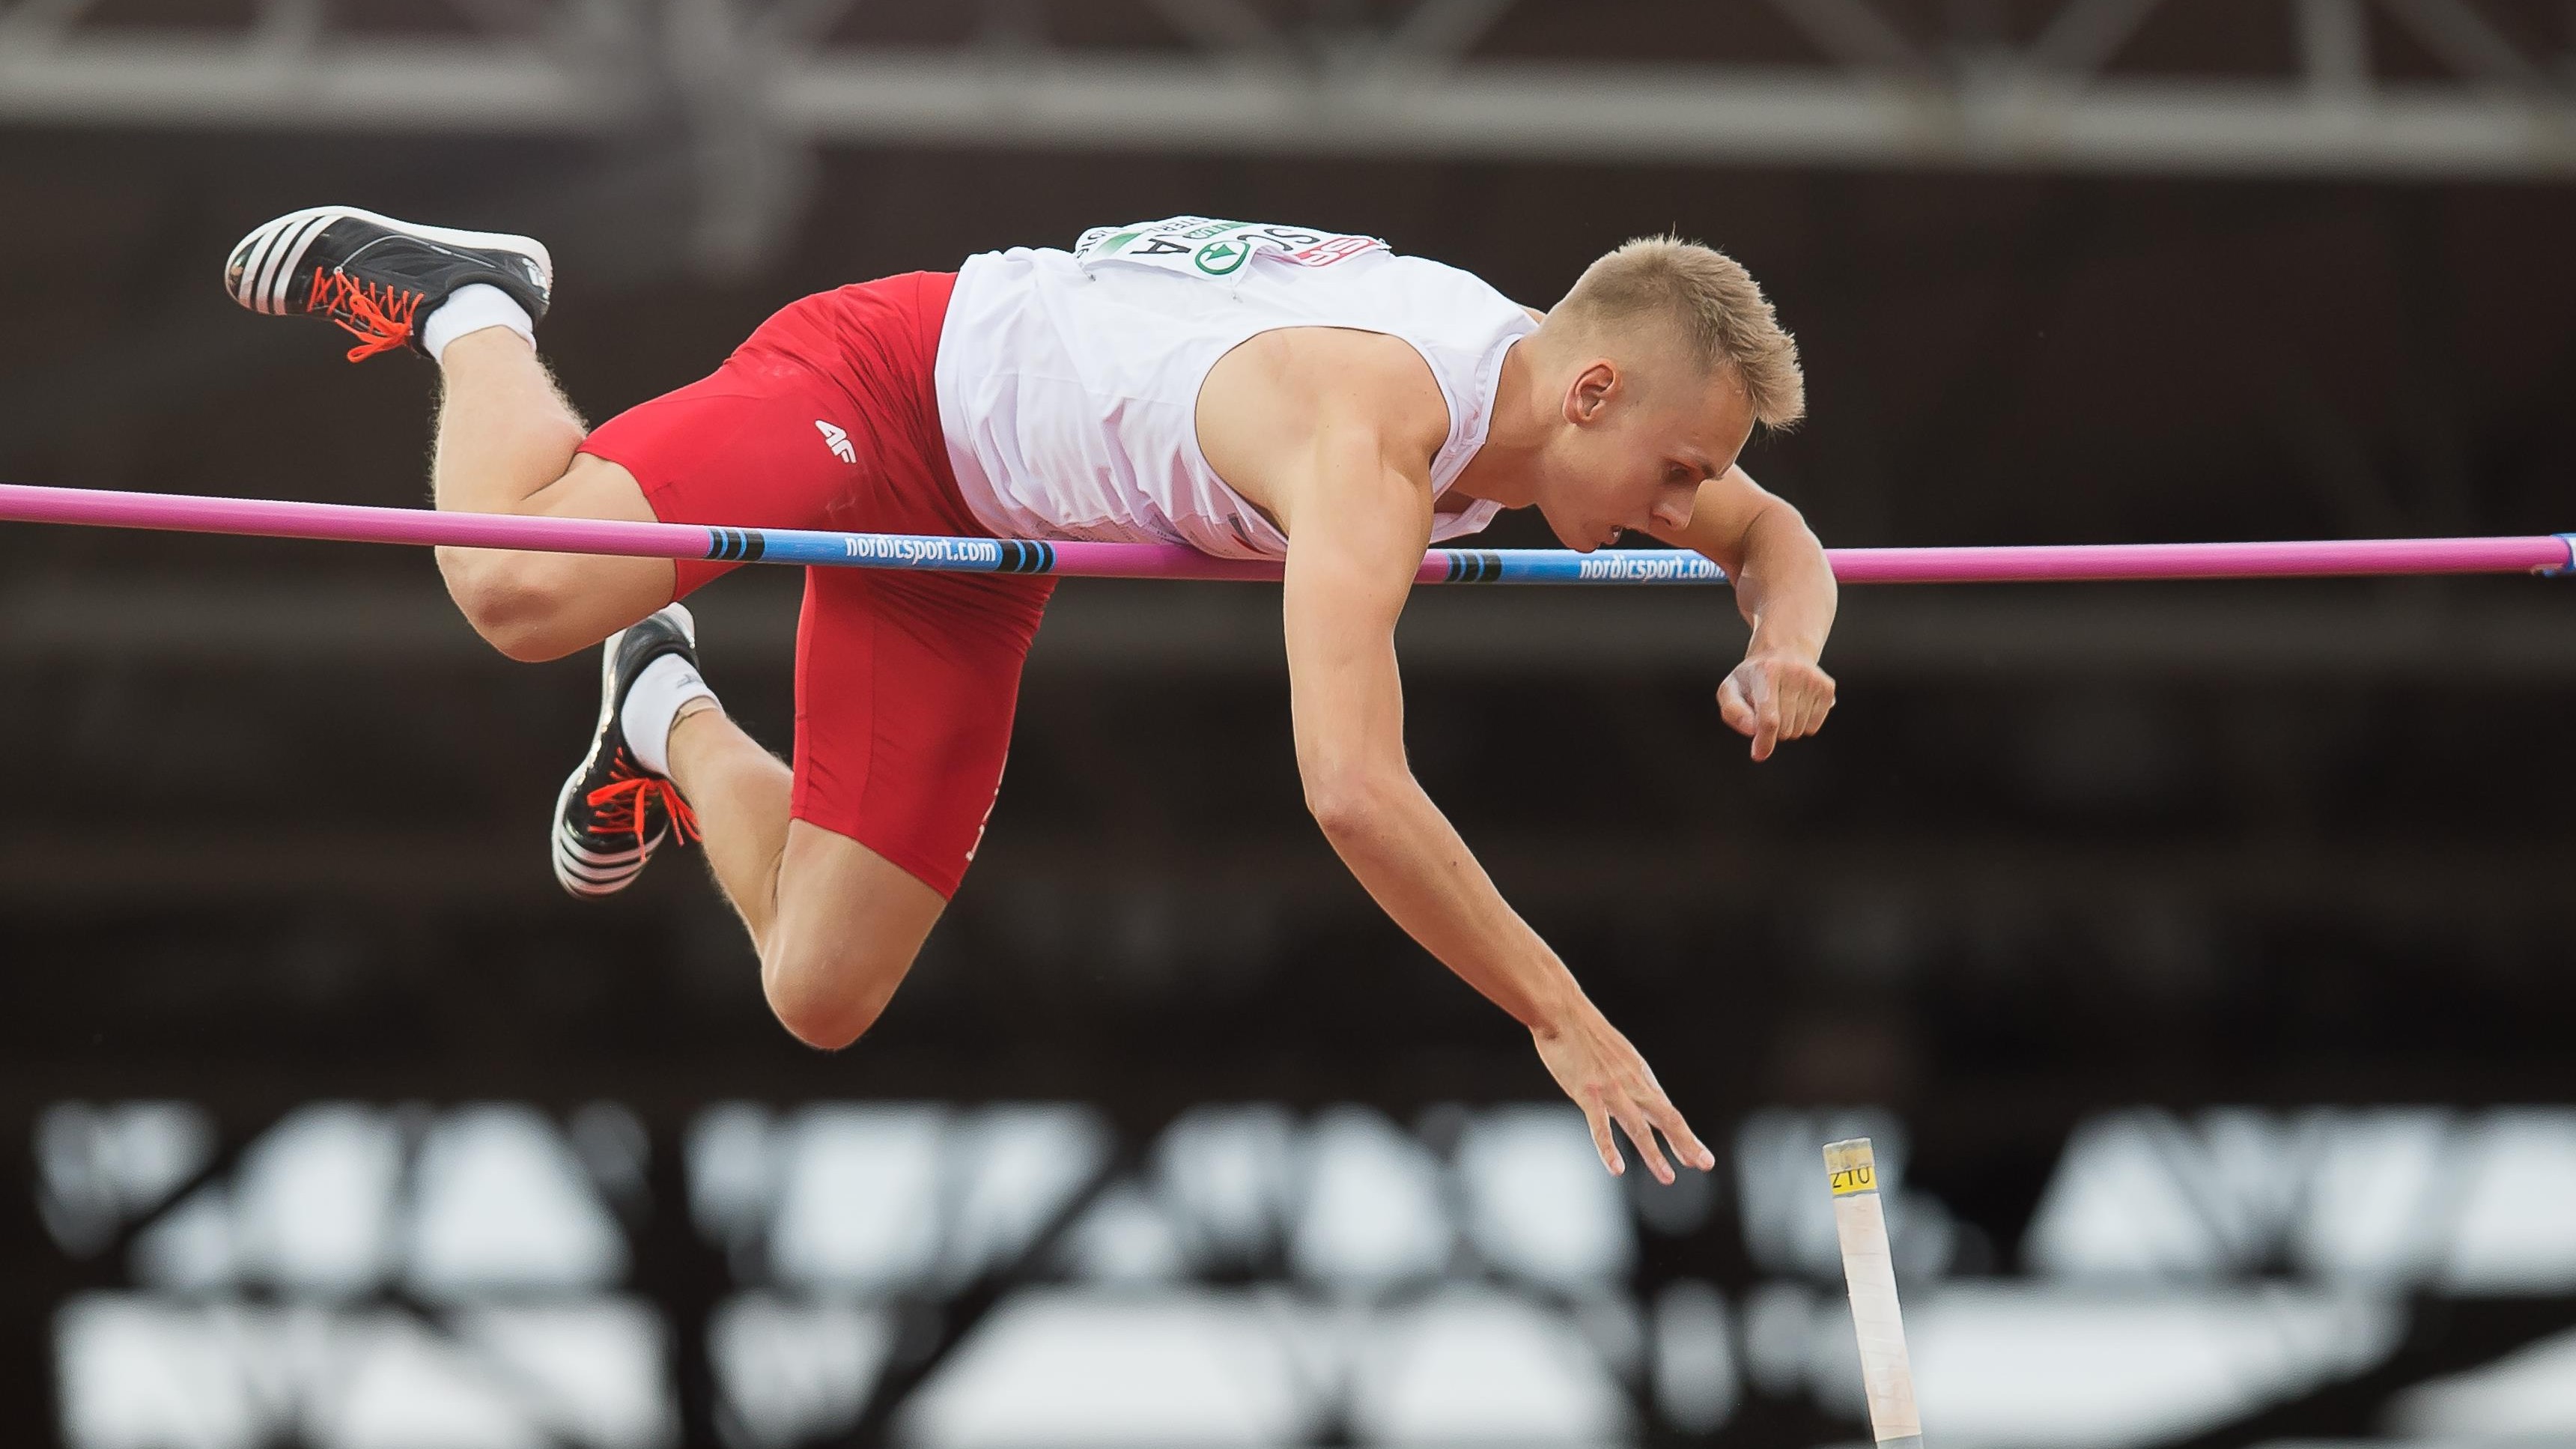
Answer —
(1674, 509)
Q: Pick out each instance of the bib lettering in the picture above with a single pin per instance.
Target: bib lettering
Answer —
(1199, 246)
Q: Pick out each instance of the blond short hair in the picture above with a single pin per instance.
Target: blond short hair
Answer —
(1714, 304)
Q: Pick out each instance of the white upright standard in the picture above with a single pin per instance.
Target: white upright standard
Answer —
(1861, 1222)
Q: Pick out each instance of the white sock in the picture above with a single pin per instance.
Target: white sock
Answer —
(653, 702)
(471, 308)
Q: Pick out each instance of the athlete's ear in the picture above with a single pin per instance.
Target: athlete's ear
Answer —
(1590, 392)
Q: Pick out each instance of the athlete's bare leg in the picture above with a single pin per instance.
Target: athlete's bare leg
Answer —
(836, 924)
(505, 445)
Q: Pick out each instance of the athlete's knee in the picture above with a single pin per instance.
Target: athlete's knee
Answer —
(516, 601)
(828, 996)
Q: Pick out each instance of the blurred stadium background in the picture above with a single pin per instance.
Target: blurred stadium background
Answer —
(2199, 952)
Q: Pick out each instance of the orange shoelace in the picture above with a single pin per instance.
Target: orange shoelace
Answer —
(622, 802)
(379, 317)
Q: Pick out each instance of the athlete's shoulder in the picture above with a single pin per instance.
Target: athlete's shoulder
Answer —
(1267, 404)
(1341, 363)
(1357, 376)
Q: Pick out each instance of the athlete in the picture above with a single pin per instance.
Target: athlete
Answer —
(1251, 390)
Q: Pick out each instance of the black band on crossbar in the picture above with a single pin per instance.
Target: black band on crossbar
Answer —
(1025, 556)
(735, 545)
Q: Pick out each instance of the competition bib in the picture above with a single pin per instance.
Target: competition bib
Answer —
(1199, 246)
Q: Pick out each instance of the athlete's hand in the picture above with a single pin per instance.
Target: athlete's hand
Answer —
(1775, 697)
(1611, 1083)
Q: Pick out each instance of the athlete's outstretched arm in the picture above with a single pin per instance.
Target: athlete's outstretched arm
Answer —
(1357, 526)
(1785, 589)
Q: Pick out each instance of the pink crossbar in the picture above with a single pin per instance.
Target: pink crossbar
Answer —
(2535, 553)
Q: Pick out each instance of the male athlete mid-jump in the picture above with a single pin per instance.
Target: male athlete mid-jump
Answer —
(1253, 391)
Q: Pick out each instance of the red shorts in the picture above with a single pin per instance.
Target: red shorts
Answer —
(905, 682)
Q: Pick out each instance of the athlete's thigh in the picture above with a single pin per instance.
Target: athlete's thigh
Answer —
(597, 594)
(765, 441)
(906, 685)
(545, 605)
(848, 921)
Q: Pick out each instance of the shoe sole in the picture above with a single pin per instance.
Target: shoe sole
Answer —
(579, 869)
(267, 258)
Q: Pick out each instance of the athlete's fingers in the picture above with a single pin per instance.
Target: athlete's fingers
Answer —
(1804, 692)
(1793, 715)
(1811, 716)
(1820, 702)
(1762, 691)
(1602, 1141)
(1732, 708)
(1686, 1143)
(1642, 1133)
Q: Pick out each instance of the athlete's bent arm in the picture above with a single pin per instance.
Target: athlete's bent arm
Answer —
(1785, 590)
(1357, 527)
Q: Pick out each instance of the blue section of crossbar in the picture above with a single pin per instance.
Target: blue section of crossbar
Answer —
(881, 551)
(1603, 566)
(1020, 556)
(2567, 568)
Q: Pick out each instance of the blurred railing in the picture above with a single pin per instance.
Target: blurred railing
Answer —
(1030, 1275)
(749, 88)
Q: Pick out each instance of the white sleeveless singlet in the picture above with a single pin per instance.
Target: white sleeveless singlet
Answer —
(1068, 382)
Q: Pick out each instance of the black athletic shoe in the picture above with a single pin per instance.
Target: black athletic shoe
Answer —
(613, 813)
(377, 276)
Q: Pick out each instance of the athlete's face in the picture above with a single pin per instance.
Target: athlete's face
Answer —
(1637, 443)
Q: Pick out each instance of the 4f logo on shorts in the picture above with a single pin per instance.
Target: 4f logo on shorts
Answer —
(837, 441)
